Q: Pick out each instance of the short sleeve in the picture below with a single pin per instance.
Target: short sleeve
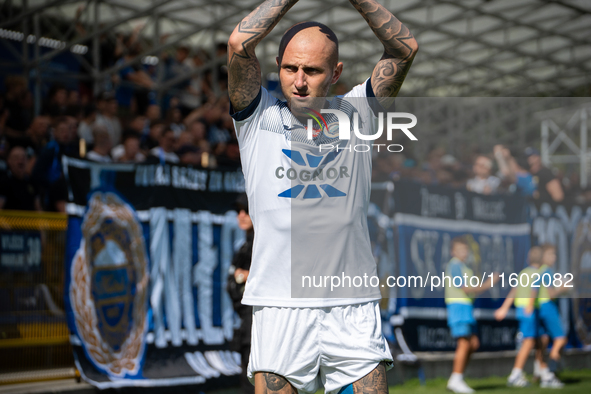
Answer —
(526, 184)
(456, 271)
(366, 90)
(246, 121)
(363, 99)
(545, 176)
(494, 183)
(248, 111)
(361, 90)
(126, 71)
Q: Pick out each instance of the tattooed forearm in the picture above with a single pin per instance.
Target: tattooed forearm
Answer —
(372, 383)
(273, 383)
(244, 72)
(257, 25)
(397, 39)
(400, 47)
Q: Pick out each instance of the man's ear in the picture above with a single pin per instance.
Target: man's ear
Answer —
(277, 61)
(337, 72)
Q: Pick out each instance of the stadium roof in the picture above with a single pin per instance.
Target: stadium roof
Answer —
(467, 47)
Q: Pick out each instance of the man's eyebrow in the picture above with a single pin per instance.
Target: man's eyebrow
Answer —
(305, 67)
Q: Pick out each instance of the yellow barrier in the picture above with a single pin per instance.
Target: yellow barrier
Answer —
(33, 329)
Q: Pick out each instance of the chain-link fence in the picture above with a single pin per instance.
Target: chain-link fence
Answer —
(33, 329)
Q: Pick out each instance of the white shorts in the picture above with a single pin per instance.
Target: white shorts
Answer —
(314, 347)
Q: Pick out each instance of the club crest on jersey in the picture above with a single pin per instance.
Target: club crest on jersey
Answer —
(311, 169)
(333, 130)
(320, 122)
(109, 286)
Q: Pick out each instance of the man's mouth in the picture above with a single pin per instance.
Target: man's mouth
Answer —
(301, 95)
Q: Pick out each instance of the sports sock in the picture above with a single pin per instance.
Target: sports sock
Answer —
(546, 374)
(456, 377)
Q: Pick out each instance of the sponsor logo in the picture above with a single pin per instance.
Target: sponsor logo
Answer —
(320, 122)
(311, 170)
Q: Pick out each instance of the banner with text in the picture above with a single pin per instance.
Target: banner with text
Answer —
(147, 255)
(500, 231)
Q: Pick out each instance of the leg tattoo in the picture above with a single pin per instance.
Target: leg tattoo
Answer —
(372, 383)
(267, 383)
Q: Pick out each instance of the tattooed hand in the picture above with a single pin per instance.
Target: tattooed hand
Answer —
(400, 47)
(244, 70)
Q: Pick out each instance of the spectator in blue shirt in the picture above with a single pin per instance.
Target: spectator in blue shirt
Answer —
(131, 76)
(510, 170)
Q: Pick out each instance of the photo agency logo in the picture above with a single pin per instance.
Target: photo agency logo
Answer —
(342, 129)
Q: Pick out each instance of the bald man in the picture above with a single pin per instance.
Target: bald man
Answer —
(309, 206)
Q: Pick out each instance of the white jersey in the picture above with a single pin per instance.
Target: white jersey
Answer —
(308, 207)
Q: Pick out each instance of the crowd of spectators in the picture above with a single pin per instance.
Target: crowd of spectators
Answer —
(498, 172)
(126, 122)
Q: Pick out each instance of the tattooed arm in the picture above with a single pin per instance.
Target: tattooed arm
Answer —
(244, 70)
(400, 47)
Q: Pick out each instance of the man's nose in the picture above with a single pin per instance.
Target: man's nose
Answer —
(300, 80)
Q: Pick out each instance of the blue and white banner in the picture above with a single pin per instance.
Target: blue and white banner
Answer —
(147, 256)
(500, 231)
(424, 249)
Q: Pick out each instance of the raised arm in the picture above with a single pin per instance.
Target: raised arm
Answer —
(400, 47)
(244, 70)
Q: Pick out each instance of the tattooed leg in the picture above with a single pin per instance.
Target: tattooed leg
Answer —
(270, 383)
(372, 383)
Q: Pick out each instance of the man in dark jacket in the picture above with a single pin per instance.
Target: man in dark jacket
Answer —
(236, 282)
(16, 189)
(48, 173)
